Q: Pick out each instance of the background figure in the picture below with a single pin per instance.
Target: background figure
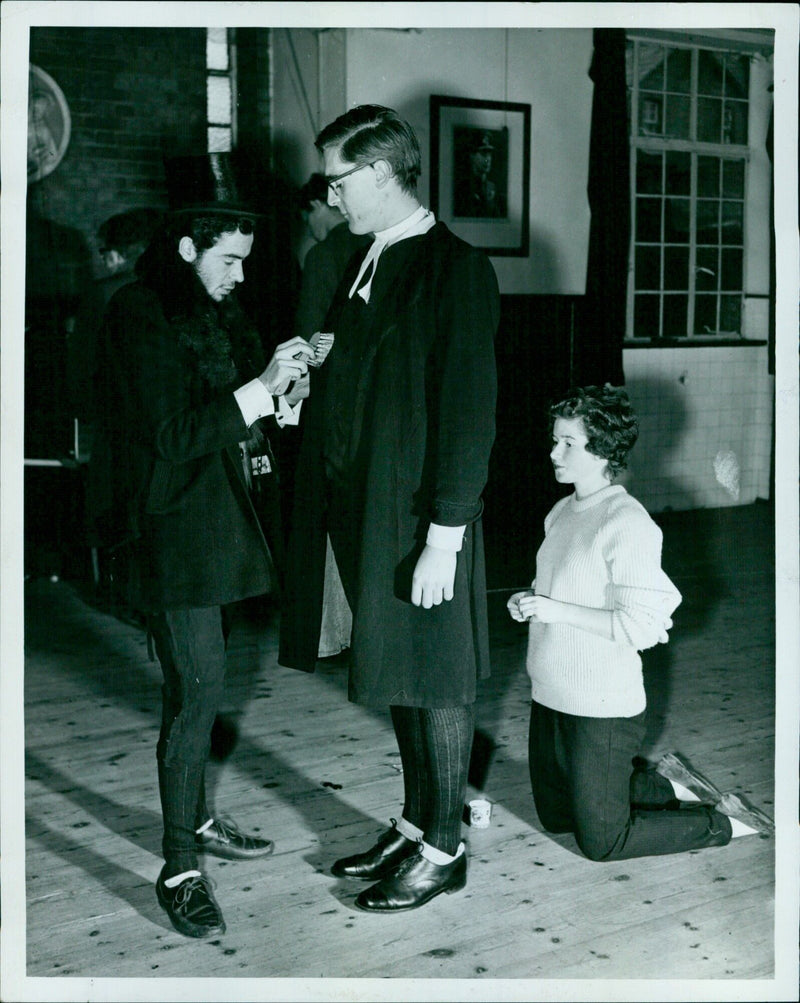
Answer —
(121, 241)
(600, 596)
(394, 459)
(324, 264)
(183, 390)
(325, 261)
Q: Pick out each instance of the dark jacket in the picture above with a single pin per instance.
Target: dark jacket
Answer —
(166, 475)
(323, 267)
(401, 422)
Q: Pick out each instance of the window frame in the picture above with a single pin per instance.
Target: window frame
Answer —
(695, 149)
(230, 127)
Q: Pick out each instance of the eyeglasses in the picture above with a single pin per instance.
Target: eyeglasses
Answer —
(334, 183)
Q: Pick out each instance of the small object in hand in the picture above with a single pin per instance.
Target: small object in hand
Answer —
(480, 813)
(322, 343)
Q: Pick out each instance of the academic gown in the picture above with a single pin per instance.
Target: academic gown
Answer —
(398, 432)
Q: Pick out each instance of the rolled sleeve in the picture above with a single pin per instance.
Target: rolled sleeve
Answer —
(642, 616)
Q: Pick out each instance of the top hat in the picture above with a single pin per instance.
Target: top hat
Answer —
(206, 183)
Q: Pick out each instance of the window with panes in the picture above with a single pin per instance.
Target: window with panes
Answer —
(688, 115)
(220, 89)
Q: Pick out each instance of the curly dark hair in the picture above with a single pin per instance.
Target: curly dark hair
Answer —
(161, 266)
(608, 418)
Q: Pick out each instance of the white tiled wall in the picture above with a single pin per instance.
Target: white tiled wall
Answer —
(705, 419)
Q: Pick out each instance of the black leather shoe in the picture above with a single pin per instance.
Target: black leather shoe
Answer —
(391, 850)
(191, 907)
(415, 882)
(223, 839)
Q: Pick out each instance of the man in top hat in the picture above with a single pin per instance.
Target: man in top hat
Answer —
(188, 402)
(476, 194)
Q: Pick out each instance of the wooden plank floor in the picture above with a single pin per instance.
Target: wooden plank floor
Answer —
(321, 777)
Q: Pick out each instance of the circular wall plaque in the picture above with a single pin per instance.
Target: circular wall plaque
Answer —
(48, 124)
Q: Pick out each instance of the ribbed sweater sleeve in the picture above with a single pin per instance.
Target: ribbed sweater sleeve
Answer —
(643, 598)
(603, 552)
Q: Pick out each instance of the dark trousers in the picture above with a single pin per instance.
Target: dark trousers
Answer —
(584, 781)
(190, 644)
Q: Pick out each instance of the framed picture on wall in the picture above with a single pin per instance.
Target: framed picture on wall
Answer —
(480, 171)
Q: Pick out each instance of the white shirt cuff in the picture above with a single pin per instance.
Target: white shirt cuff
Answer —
(255, 402)
(286, 414)
(445, 537)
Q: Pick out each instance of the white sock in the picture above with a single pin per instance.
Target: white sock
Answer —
(409, 830)
(683, 793)
(203, 828)
(739, 828)
(438, 856)
(174, 881)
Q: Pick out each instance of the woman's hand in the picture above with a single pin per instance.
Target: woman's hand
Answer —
(525, 606)
(540, 609)
(513, 605)
(433, 578)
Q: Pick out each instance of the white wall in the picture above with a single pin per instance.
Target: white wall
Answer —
(308, 91)
(705, 414)
(547, 69)
(696, 404)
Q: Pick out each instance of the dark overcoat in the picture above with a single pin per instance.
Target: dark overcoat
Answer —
(400, 423)
(172, 485)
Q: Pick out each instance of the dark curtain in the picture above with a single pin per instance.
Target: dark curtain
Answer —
(600, 316)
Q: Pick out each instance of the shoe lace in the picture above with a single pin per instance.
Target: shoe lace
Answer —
(409, 862)
(186, 888)
(226, 829)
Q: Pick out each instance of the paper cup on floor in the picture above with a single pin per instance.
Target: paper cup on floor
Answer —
(480, 813)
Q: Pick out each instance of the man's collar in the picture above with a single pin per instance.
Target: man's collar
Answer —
(392, 233)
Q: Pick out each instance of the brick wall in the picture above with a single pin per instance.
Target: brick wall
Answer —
(135, 95)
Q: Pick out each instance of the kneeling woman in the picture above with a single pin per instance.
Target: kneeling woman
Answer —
(599, 598)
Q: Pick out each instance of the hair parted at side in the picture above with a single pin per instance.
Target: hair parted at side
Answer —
(608, 418)
(370, 132)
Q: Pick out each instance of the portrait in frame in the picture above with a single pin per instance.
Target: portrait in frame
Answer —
(480, 171)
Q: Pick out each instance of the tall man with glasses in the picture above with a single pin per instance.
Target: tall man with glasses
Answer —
(180, 450)
(395, 454)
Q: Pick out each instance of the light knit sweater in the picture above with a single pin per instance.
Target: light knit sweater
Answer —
(604, 552)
